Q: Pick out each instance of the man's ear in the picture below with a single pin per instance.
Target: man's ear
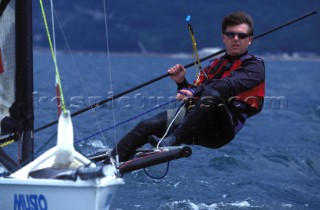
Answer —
(223, 37)
(250, 39)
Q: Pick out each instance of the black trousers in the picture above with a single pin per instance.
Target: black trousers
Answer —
(209, 124)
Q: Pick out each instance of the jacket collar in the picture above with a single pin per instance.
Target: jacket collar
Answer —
(230, 57)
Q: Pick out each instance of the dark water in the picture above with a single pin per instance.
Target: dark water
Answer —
(273, 163)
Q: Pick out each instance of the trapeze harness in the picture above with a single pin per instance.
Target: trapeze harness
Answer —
(243, 105)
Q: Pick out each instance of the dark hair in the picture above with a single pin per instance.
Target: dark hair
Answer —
(237, 18)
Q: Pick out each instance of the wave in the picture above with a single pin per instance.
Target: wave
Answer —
(189, 205)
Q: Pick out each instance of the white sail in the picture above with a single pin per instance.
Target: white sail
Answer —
(7, 59)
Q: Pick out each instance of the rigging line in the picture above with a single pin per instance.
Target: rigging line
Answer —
(79, 74)
(167, 74)
(171, 123)
(53, 29)
(20, 136)
(194, 46)
(110, 72)
(195, 53)
(55, 52)
(155, 177)
(63, 107)
(123, 122)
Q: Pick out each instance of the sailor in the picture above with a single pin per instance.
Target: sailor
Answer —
(227, 92)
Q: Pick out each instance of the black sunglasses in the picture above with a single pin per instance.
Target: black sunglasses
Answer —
(240, 35)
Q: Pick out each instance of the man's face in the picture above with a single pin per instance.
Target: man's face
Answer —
(236, 44)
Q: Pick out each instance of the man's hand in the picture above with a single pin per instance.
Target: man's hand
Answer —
(177, 73)
(184, 95)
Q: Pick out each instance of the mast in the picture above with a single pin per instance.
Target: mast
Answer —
(24, 76)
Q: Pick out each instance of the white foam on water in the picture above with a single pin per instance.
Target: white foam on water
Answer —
(241, 204)
(189, 205)
(2, 170)
(287, 205)
(176, 184)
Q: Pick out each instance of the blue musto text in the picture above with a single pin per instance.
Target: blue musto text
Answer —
(30, 202)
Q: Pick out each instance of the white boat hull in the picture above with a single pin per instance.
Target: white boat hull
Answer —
(42, 194)
(21, 192)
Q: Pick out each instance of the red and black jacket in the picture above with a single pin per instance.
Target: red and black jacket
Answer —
(239, 80)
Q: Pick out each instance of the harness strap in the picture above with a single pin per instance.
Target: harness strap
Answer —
(217, 71)
(216, 67)
(226, 67)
